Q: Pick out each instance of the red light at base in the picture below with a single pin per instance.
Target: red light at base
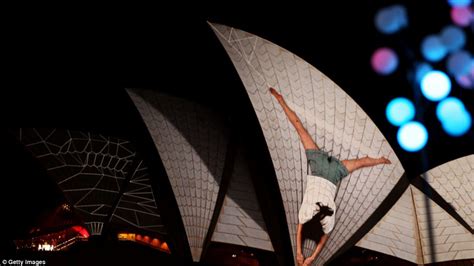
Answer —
(81, 230)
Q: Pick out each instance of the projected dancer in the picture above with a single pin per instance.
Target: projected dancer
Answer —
(326, 172)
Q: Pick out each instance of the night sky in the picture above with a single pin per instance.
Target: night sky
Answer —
(70, 70)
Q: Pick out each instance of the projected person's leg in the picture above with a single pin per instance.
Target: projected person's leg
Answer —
(308, 142)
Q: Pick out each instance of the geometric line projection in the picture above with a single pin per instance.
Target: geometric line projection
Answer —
(332, 117)
(137, 206)
(192, 143)
(95, 228)
(90, 169)
(454, 181)
(240, 220)
(403, 232)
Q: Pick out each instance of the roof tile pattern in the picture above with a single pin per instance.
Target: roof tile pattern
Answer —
(240, 221)
(337, 123)
(192, 143)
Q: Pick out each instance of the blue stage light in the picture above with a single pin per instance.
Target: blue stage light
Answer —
(457, 3)
(433, 48)
(412, 136)
(435, 85)
(459, 63)
(400, 111)
(391, 19)
(449, 108)
(458, 124)
(453, 38)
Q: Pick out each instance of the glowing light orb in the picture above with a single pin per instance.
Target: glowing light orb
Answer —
(461, 3)
(400, 111)
(435, 85)
(458, 124)
(391, 19)
(384, 61)
(462, 16)
(459, 63)
(433, 48)
(453, 38)
(412, 136)
(454, 117)
(449, 107)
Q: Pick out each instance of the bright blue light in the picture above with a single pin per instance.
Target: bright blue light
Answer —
(459, 63)
(391, 19)
(453, 38)
(412, 136)
(435, 85)
(459, 3)
(458, 124)
(399, 111)
(454, 117)
(433, 49)
(449, 108)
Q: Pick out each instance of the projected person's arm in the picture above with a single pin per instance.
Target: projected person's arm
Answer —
(316, 251)
(299, 253)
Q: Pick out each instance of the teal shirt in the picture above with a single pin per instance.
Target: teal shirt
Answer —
(325, 166)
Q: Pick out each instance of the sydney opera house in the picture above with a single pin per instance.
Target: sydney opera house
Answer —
(156, 141)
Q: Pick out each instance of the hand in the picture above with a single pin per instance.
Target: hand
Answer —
(299, 258)
(308, 261)
(276, 94)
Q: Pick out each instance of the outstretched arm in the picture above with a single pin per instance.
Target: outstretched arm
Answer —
(317, 250)
(299, 253)
(308, 142)
(367, 161)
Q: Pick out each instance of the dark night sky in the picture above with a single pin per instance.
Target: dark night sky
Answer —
(69, 70)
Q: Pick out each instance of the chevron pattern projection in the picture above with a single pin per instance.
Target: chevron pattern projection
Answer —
(337, 123)
(403, 232)
(240, 221)
(454, 181)
(192, 143)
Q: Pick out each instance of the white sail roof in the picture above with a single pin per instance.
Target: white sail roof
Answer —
(337, 123)
(404, 231)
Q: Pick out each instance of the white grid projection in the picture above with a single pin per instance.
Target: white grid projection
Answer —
(240, 220)
(91, 169)
(192, 143)
(137, 205)
(403, 231)
(337, 123)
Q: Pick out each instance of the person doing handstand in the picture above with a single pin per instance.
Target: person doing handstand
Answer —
(321, 183)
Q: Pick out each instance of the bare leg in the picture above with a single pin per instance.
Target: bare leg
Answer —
(308, 142)
(355, 164)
